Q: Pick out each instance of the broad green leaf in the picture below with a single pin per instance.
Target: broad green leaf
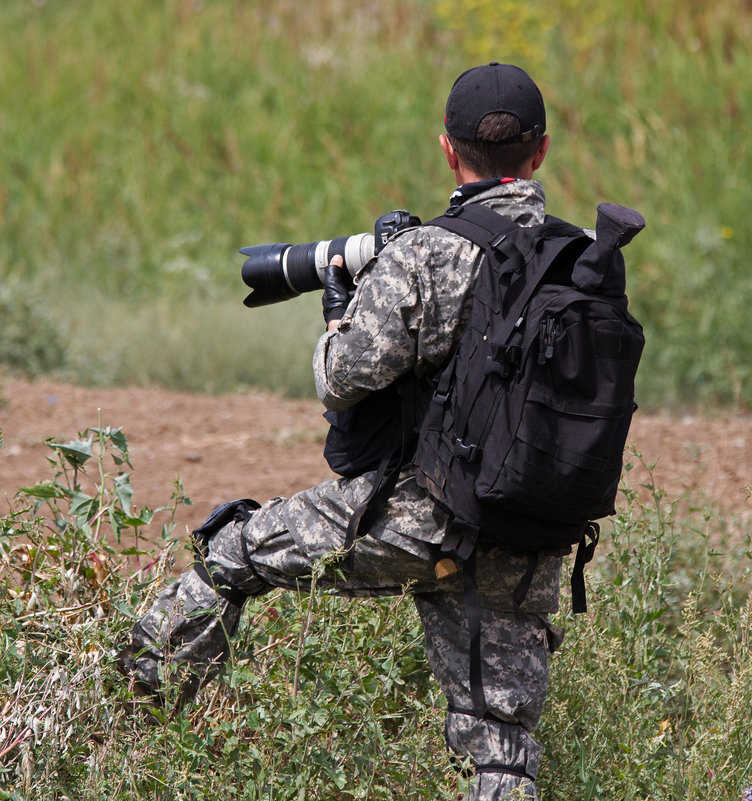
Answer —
(143, 519)
(82, 505)
(132, 550)
(115, 438)
(46, 490)
(76, 452)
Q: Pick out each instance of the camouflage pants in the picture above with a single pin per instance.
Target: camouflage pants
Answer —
(277, 546)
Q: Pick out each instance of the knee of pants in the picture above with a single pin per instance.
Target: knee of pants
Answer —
(185, 607)
(257, 555)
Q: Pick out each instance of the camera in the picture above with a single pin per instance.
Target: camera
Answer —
(280, 271)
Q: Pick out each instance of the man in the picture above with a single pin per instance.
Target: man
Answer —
(406, 317)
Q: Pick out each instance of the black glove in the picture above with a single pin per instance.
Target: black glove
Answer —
(336, 297)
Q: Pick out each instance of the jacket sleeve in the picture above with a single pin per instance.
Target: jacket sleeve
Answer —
(406, 314)
(376, 341)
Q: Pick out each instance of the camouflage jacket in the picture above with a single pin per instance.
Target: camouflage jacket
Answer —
(411, 303)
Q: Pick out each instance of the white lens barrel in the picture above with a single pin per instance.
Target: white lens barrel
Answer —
(286, 274)
(359, 249)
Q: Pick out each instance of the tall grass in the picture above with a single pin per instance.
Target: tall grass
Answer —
(145, 142)
(328, 698)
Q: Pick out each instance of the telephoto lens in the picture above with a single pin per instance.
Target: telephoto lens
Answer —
(281, 271)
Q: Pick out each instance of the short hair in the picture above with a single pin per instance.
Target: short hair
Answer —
(486, 157)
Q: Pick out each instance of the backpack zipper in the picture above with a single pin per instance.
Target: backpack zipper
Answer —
(546, 336)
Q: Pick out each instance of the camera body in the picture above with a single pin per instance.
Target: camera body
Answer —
(280, 271)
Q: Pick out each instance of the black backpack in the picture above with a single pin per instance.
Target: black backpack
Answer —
(521, 438)
(524, 437)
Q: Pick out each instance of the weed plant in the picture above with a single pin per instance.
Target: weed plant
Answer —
(321, 698)
(650, 696)
(328, 698)
(144, 143)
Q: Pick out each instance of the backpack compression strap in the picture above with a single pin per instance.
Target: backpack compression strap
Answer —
(585, 551)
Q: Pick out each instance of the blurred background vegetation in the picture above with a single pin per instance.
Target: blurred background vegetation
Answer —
(143, 143)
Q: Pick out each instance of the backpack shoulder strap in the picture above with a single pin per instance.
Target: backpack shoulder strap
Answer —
(482, 224)
(475, 222)
(527, 250)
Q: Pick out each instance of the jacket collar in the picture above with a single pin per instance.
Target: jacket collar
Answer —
(522, 200)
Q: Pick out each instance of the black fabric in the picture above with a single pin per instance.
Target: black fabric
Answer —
(522, 588)
(473, 615)
(460, 539)
(383, 425)
(491, 88)
(466, 191)
(585, 552)
(401, 408)
(361, 436)
(524, 437)
(498, 768)
(472, 611)
(491, 767)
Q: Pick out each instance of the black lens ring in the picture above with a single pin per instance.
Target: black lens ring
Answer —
(337, 248)
(300, 267)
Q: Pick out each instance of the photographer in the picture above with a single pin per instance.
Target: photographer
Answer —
(405, 319)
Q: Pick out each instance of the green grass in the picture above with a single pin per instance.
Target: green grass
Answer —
(321, 696)
(144, 143)
(226, 349)
(329, 698)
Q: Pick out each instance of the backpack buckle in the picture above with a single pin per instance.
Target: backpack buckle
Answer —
(496, 241)
(502, 369)
(470, 453)
(503, 360)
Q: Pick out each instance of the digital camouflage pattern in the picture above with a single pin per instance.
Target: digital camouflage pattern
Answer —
(410, 301)
(406, 314)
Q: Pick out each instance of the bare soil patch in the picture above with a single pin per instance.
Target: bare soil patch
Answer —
(260, 445)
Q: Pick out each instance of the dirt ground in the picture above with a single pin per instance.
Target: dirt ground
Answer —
(260, 445)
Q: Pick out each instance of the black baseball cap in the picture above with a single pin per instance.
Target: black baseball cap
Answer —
(492, 88)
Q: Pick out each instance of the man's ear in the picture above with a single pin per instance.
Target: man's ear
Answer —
(540, 153)
(451, 156)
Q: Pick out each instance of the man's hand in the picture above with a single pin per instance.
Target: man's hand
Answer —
(336, 297)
